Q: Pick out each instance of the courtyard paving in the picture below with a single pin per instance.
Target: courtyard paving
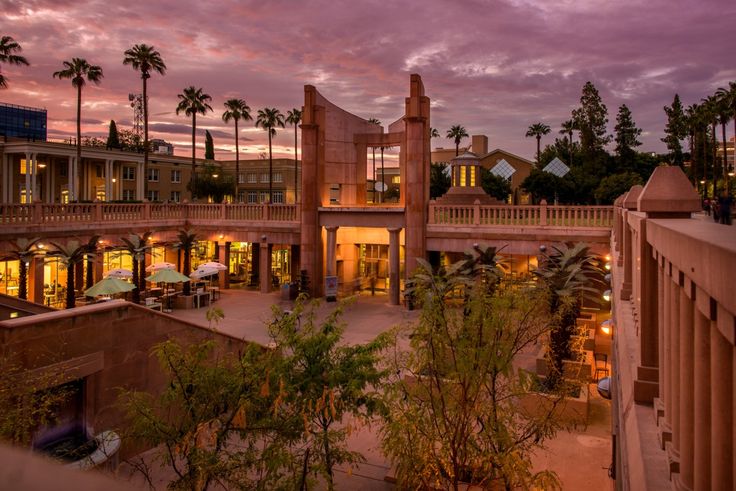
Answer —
(580, 457)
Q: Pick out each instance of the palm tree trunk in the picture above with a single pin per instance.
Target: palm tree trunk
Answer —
(296, 191)
(715, 159)
(539, 140)
(374, 175)
(457, 148)
(70, 294)
(142, 270)
(270, 170)
(237, 162)
(90, 278)
(725, 155)
(383, 174)
(79, 144)
(22, 282)
(136, 279)
(194, 164)
(145, 134)
(187, 251)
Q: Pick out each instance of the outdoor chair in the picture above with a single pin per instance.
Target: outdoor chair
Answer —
(601, 365)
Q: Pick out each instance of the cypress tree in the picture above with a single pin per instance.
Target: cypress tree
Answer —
(113, 140)
(591, 119)
(209, 146)
(675, 130)
(626, 138)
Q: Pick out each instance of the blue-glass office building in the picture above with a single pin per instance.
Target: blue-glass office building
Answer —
(22, 122)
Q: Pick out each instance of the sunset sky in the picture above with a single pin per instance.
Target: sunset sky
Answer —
(493, 66)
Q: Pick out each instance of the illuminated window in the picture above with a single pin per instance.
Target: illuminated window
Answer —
(472, 175)
(23, 196)
(462, 175)
(65, 196)
(23, 167)
(396, 180)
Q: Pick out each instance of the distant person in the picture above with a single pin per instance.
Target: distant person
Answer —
(706, 206)
(724, 208)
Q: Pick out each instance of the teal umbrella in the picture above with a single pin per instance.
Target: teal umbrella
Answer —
(167, 276)
(109, 286)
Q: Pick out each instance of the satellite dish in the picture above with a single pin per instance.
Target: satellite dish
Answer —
(380, 186)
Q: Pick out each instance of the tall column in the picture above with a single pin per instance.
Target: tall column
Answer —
(675, 367)
(29, 197)
(223, 256)
(264, 267)
(687, 365)
(628, 260)
(108, 180)
(701, 377)
(667, 350)
(295, 262)
(52, 180)
(139, 181)
(331, 257)
(70, 178)
(393, 266)
(646, 385)
(34, 177)
(721, 404)
(47, 181)
(7, 179)
(35, 279)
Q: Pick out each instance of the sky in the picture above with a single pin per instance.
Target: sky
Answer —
(493, 66)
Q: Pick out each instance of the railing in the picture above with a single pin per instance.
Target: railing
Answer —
(45, 213)
(521, 215)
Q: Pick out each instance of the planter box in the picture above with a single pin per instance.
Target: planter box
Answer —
(184, 302)
(572, 410)
(581, 371)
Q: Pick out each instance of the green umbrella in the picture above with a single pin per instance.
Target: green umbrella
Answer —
(167, 276)
(109, 286)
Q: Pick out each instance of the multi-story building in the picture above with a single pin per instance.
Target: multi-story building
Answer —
(22, 122)
(253, 181)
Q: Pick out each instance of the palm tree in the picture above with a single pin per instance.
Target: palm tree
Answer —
(374, 121)
(457, 133)
(729, 97)
(567, 128)
(137, 245)
(187, 239)
(70, 254)
(567, 276)
(145, 59)
(8, 50)
(78, 70)
(23, 251)
(691, 125)
(538, 130)
(192, 102)
(726, 106)
(294, 117)
(269, 119)
(235, 110)
(710, 113)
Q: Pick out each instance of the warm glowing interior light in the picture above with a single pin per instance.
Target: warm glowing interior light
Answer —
(607, 295)
(222, 236)
(114, 180)
(41, 166)
(215, 175)
(606, 329)
(608, 266)
(41, 246)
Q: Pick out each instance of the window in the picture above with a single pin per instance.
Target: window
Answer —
(396, 180)
(241, 178)
(63, 171)
(252, 178)
(23, 167)
(128, 194)
(152, 175)
(278, 197)
(277, 177)
(472, 175)
(462, 176)
(176, 176)
(252, 196)
(264, 197)
(175, 196)
(128, 173)
(264, 177)
(334, 193)
(152, 195)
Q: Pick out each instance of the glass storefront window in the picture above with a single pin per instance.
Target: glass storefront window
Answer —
(115, 260)
(203, 251)
(9, 277)
(280, 262)
(54, 282)
(241, 258)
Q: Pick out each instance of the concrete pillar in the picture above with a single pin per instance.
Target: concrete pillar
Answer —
(721, 403)
(394, 266)
(29, 195)
(34, 177)
(108, 180)
(295, 262)
(223, 256)
(51, 176)
(646, 385)
(311, 232)
(70, 178)
(628, 260)
(98, 265)
(667, 350)
(702, 388)
(331, 256)
(661, 346)
(47, 181)
(6, 176)
(35, 279)
(675, 367)
(687, 391)
(264, 267)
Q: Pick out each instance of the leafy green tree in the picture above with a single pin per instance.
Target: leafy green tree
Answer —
(136, 245)
(186, 241)
(22, 251)
(235, 110)
(130, 141)
(590, 119)
(675, 130)
(613, 186)
(711, 113)
(269, 119)
(212, 184)
(80, 72)
(543, 185)
(8, 54)
(145, 59)
(626, 138)
(457, 133)
(209, 146)
(113, 139)
(723, 108)
(538, 130)
(215, 423)
(496, 186)
(192, 102)
(727, 95)
(453, 412)
(294, 117)
(566, 128)
(330, 385)
(70, 254)
(567, 275)
(439, 180)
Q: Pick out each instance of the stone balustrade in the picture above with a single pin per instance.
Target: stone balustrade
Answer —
(521, 215)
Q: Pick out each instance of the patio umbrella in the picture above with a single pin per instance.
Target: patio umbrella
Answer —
(109, 286)
(119, 273)
(167, 276)
(213, 265)
(201, 272)
(159, 266)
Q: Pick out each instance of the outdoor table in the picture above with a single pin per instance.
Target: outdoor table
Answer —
(198, 296)
(166, 298)
(215, 293)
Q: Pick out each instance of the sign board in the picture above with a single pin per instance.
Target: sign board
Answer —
(380, 186)
(331, 287)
